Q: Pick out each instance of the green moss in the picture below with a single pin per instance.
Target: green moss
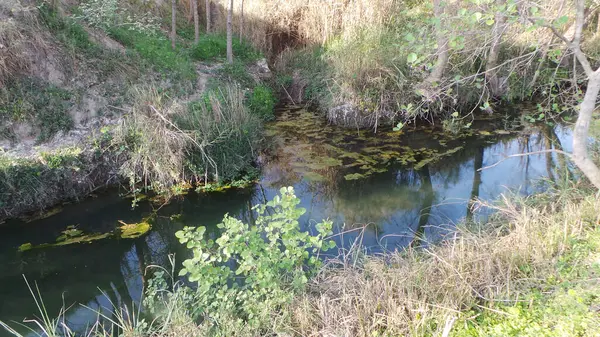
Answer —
(66, 157)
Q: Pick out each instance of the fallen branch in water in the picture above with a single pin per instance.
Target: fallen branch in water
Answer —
(568, 155)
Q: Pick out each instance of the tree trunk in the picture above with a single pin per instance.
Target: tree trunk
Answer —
(242, 21)
(173, 22)
(580, 135)
(230, 32)
(196, 21)
(491, 73)
(208, 16)
(442, 45)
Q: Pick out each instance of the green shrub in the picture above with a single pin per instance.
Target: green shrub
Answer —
(262, 102)
(252, 270)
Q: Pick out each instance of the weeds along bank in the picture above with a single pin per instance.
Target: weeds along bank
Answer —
(532, 270)
(88, 101)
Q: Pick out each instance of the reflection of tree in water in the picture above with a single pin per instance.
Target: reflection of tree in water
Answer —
(556, 164)
(380, 198)
(477, 165)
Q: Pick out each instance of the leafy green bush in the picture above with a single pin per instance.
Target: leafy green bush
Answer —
(213, 47)
(262, 102)
(251, 270)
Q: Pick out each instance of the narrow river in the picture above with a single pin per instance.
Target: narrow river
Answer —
(398, 184)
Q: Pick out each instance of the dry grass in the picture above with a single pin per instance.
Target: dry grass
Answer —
(414, 293)
(309, 21)
(17, 23)
(156, 147)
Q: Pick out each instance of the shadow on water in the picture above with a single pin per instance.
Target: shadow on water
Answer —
(416, 183)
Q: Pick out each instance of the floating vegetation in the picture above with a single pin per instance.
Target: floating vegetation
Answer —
(312, 176)
(354, 176)
(220, 187)
(70, 232)
(25, 247)
(73, 235)
(314, 150)
(134, 230)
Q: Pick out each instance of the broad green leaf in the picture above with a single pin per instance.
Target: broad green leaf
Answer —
(411, 58)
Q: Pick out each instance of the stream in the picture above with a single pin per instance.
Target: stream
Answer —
(383, 189)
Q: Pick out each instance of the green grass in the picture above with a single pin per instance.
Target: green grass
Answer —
(236, 72)
(562, 304)
(261, 102)
(213, 47)
(156, 50)
(68, 31)
(41, 104)
(33, 184)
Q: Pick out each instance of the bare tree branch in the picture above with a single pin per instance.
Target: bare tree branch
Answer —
(568, 155)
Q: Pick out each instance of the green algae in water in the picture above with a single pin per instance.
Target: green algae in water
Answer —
(134, 230)
(25, 247)
(354, 176)
(79, 239)
(70, 232)
(314, 177)
(71, 235)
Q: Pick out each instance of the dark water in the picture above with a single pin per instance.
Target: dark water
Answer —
(400, 184)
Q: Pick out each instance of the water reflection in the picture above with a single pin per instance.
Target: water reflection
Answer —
(422, 199)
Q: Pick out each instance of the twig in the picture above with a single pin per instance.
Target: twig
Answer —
(448, 327)
(288, 95)
(568, 155)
